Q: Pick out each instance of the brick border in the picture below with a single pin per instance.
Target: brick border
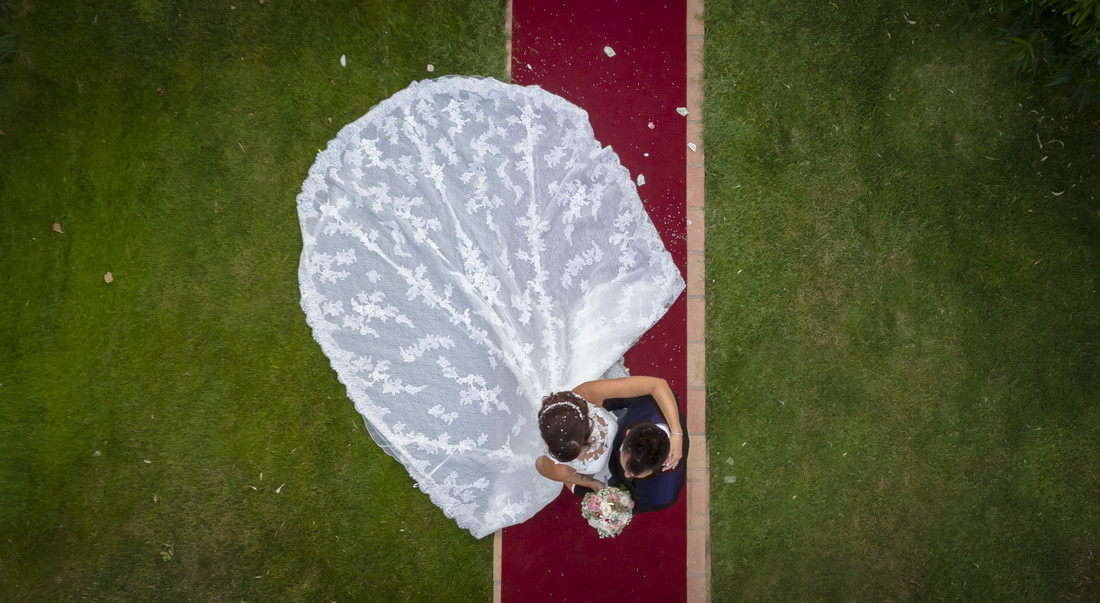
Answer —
(508, 42)
(698, 486)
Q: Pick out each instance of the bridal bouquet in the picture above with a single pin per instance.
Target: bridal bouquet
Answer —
(608, 510)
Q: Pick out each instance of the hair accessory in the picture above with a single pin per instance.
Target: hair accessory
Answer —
(562, 403)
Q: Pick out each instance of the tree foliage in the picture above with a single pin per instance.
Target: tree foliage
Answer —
(1055, 39)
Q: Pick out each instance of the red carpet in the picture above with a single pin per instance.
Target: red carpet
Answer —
(559, 45)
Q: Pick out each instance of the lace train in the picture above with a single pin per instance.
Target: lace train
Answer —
(469, 247)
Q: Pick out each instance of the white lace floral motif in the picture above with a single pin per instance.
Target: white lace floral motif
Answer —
(594, 460)
(469, 247)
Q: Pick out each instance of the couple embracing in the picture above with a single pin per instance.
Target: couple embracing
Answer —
(625, 433)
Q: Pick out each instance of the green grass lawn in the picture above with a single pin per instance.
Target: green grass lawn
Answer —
(903, 256)
(904, 343)
(177, 434)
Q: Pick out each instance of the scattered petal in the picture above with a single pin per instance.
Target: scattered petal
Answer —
(908, 21)
(1057, 194)
(641, 179)
(651, 125)
(431, 68)
(56, 227)
(279, 489)
(108, 278)
(148, 462)
(343, 61)
(608, 51)
(96, 453)
(682, 111)
(694, 149)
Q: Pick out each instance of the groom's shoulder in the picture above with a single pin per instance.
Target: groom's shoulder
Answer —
(643, 409)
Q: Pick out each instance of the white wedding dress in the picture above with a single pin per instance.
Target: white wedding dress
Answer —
(468, 248)
(594, 461)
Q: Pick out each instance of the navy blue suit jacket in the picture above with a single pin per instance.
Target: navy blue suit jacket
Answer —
(661, 489)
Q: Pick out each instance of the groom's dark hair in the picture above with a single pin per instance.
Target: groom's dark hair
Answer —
(646, 447)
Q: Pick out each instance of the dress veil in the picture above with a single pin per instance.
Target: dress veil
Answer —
(469, 247)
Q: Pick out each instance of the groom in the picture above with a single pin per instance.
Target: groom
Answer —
(640, 447)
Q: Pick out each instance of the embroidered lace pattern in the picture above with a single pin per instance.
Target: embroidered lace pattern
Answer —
(594, 460)
(468, 247)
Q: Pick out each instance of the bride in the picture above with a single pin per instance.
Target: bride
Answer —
(579, 431)
(468, 246)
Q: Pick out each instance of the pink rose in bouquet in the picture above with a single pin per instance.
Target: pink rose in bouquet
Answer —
(609, 511)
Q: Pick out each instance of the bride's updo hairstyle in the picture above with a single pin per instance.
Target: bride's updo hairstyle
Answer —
(564, 425)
